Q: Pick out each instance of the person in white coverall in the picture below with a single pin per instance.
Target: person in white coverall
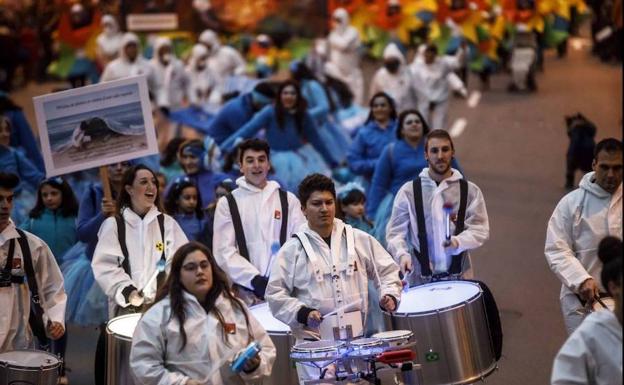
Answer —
(108, 42)
(171, 79)
(129, 63)
(196, 329)
(325, 268)
(440, 186)
(344, 44)
(202, 81)
(593, 352)
(127, 279)
(581, 219)
(395, 79)
(434, 78)
(15, 296)
(266, 224)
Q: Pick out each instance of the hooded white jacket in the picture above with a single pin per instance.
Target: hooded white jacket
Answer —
(122, 67)
(260, 211)
(144, 245)
(580, 221)
(15, 332)
(402, 228)
(434, 81)
(202, 84)
(592, 354)
(223, 61)
(294, 284)
(400, 85)
(108, 43)
(171, 79)
(156, 359)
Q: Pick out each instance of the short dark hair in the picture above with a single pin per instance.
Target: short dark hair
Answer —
(403, 115)
(432, 48)
(124, 200)
(265, 88)
(312, 183)
(610, 254)
(440, 134)
(69, 203)
(253, 144)
(393, 112)
(353, 196)
(8, 180)
(609, 145)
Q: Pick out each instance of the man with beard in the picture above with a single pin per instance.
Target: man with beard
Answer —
(418, 227)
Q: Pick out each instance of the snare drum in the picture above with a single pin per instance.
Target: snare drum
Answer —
(449, 322)
(119, 333)
(283, 371)
(395, 338)
(362, 351)
(318, 353)
(29, 367)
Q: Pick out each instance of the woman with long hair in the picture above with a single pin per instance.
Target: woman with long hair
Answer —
(400, 161)
(297, 149)
(196, 328)
(135, 244)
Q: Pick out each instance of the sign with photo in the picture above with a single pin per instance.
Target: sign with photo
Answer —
(95, 125)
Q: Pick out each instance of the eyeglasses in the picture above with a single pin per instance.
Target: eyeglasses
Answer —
(192, 267)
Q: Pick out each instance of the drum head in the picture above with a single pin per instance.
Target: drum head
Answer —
(271, 324)
(437, 296)
(366, 342)
(394, 335)
(124, 325)
(318, 346)
(29, 359)
(366, 347)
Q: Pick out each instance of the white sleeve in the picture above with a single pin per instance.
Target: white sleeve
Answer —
(225, 249)
(238, 63)
(279, 291)
(50, 283)
(345, 41)
(558, 249)
(572, 363)
(295, 214)
(106, 264)
(476, 225)
(398, 227)
(379, 266)
(267, 354)
(191, 92)
(148, 353)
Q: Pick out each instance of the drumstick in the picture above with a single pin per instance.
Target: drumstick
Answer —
(447, 207)
(597, 298)
(341, 308)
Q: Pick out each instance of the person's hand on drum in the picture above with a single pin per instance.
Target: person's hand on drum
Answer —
(405, 264)
(314, 319)
(388, 303)
(55, 330)
(588, 290)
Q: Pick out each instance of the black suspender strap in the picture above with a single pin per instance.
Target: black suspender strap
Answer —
(6, 270)
(121, 235)
(423, 254)
(456, 262)
(283, 195)
(35, 319)
(238, 227)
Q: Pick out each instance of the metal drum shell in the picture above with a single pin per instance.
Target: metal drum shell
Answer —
(20, 374)
(458, 334)
(118, 355)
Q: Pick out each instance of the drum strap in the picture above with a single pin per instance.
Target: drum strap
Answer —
(423, 254)
(317, 267)
(35, 319)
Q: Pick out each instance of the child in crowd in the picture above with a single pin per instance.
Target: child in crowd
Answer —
(352, 203)
(184, 204)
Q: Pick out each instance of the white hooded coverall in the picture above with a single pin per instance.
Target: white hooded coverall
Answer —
(202, 83)
(261, 216)
(402, 228)
(171, 79)
(580, 221)
(122, 67)
(15, 332)
(109, 41)
(400, 86)
(156, 358)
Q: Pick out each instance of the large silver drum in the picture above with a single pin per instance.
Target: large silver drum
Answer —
(119, 333)
(450, 325)
(29, 367)
(283, 370)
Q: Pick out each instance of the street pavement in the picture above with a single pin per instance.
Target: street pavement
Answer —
(513, 146)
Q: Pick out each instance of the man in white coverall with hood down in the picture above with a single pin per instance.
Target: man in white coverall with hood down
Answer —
(268, 217)
(325, 268)
(129, 63)
(581, 219)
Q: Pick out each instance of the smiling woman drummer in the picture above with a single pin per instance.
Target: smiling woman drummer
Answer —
(196, 328)
(136, 244)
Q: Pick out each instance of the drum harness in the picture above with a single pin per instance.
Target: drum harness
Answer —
(454, 271)
(35, 319)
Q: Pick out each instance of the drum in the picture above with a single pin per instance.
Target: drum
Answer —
(395, 338)
(283, 371)
(362, 351)
(29, 367)
(119, 333)
(318, 353)
(450, 325)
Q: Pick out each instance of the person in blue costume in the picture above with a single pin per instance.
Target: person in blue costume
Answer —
(53, 219)
(22, 134)
(238, 111)
(400, 162)
(191, 156)
(184, 204)
(320, 107)
(14, 161)
(348, 114)
(370, 140)
(169, 165)
(299, 150)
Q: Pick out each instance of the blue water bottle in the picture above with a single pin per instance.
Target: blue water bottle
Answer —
(250, 352)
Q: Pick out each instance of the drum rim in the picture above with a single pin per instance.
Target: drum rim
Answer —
(338, 345)
(121, 336)
(442, 309)
(55, 365)
(376, 341)
(406, 336)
